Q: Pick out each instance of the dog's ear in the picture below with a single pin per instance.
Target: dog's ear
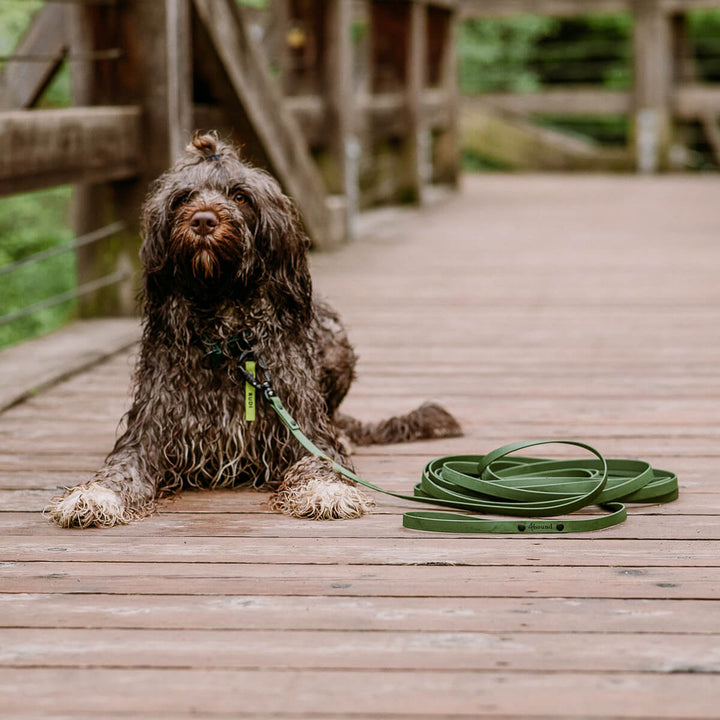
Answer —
(283, 246)
(154, 248)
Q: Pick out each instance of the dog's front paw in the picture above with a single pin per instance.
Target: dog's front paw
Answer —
(88, 505)
(312, 489)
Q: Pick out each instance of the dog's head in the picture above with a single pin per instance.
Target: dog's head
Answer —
(216, 228)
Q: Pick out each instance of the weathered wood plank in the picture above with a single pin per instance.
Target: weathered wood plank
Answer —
(41, 148)
(357, 581)
(30, 691)
(37, 364)
(386, 650)
(278, 612)
(588, 551)
(261, 525)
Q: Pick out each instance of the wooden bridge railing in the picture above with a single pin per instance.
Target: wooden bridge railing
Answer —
(661, 93)
(349, 104)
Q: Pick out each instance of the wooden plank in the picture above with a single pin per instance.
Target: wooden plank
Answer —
(280, 136)
(31, 691)
(37, 364)
(417, 549)
(387, 650)
(22, 83)
(261, 525)
(41, 148)
(373, 614)
(678, 583)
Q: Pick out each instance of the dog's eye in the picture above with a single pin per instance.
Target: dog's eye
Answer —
(179, 200)
(240, 198)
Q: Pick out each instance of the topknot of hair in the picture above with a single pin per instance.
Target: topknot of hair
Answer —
(205, 146)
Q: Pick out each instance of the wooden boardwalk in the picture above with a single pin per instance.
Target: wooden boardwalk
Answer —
(533, 307)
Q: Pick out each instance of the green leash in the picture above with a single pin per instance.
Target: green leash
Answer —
(517, 486)
(524, 488)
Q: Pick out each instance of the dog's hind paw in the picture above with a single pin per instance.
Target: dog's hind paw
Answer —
(88, 505)
(312, 489)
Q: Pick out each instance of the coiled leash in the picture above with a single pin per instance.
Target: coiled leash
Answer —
(531, 490)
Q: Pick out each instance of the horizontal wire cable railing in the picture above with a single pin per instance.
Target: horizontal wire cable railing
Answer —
(114, 278)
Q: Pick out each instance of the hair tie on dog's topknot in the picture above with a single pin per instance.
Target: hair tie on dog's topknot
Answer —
(204, 145)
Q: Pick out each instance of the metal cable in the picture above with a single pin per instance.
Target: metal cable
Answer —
(84, 289)
(87, 239)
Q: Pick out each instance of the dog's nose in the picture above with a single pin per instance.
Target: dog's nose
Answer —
(203, 222)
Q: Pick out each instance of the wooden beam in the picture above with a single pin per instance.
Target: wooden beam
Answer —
(569, 8)
(578, 101)
(679, 6)
(280, 135)
(559, 8)
(22, 83)
(691, 101)
(42, 148)
(383, 114)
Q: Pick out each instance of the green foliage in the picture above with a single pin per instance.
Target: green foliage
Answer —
(526, 53)
(474, 161)
(15, 18)
(495, 54)
(610, 130)
(529, 53)
(31, 223)
(704, 30)
(36, 221)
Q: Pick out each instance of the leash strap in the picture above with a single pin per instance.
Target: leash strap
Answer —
(521, 487)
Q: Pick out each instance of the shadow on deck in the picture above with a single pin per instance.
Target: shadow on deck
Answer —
(532, 307)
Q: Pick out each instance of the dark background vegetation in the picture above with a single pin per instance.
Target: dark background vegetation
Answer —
(516, 54)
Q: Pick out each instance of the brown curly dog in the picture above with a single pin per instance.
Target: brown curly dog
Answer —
(224, 258)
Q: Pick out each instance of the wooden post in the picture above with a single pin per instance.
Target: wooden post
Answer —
(651, 92)
(446, 158)
(179, 75)
(341, 174)
(154, 73)
(416, 150)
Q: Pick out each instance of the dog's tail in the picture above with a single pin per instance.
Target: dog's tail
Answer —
(428, 421)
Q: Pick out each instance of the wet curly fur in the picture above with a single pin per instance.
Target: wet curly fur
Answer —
(224, 254)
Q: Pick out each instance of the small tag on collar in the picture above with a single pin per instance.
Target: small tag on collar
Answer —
(250, 393)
